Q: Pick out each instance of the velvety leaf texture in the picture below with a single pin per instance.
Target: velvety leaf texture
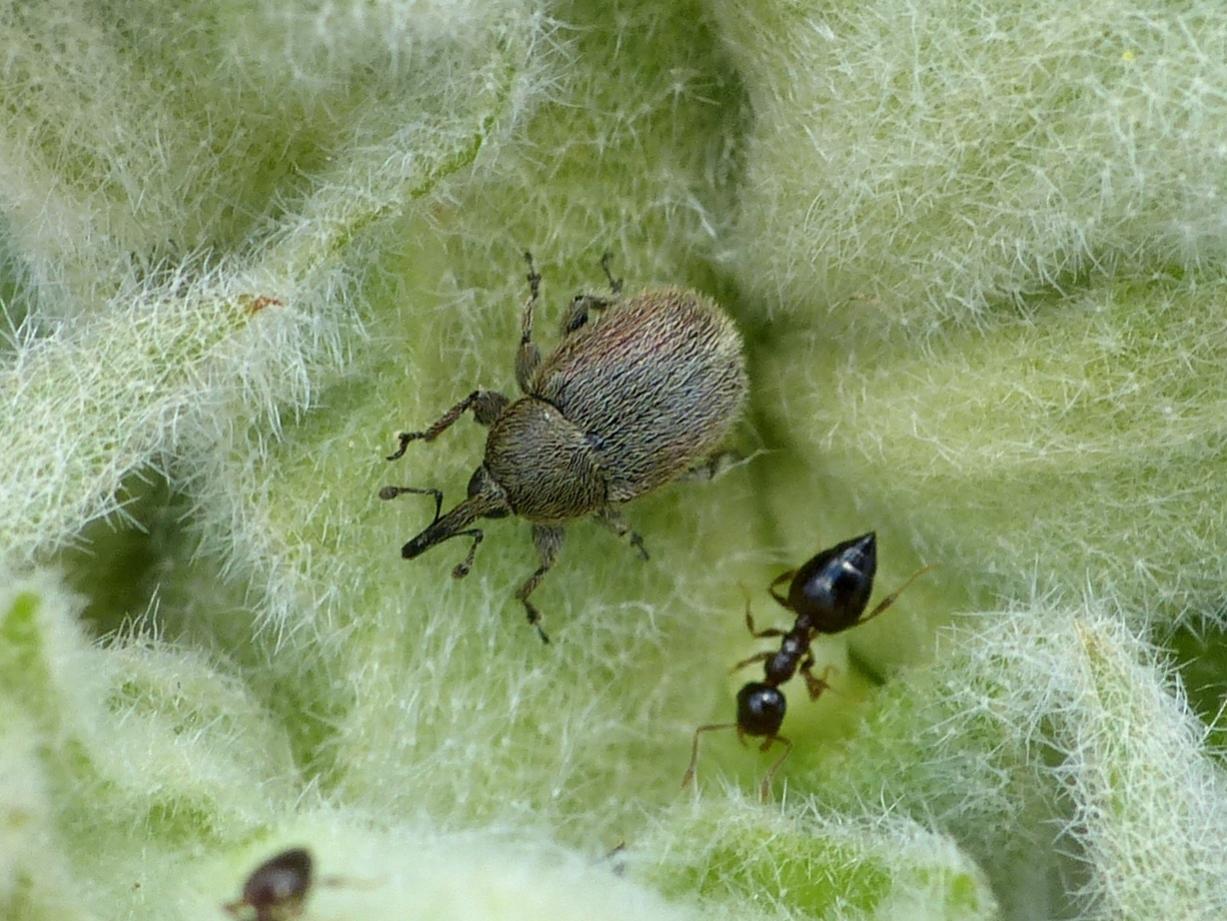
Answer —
(977, 255)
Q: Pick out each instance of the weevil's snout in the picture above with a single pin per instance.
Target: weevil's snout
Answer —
(441, 529)
(486, 500)
(419, 545)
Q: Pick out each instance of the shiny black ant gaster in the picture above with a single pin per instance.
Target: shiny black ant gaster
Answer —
(828, 594)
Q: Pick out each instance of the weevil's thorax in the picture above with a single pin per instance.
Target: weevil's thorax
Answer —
(544, 464)
(832, 589)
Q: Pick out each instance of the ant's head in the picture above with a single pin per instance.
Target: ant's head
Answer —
(760, 712)
(760, 709)
(832, 589)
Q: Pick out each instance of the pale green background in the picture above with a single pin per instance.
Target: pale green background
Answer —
(976, 251)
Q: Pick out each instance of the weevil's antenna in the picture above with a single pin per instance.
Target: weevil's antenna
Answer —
(391, 492)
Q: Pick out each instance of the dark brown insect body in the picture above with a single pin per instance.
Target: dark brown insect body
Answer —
(277, 888)
(624, 405)
(828, 594)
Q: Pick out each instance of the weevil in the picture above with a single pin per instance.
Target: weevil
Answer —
(277, 889)
(827, 594)
(626, 403)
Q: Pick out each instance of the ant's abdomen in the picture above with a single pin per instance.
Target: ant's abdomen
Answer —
(832, 589)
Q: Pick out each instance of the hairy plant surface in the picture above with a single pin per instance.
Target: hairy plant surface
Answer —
(976, 252)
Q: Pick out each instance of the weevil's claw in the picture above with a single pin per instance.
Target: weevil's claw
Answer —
(534, 621)
(389, 492)
(615, 284)
(461, 570)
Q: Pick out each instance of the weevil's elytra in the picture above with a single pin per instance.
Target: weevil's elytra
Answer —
(626, 403)
(828, 594)
(654, 384)
(277, 889)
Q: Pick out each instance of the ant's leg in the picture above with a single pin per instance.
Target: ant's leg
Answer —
(813, 684)
(391, 492)
(694, 749)
(893, 596)
(764, 789)
(760, 657)
(487, 405)
(612, 519)
(759, 634)
(782, 577)
(548, 541)
(529, 356)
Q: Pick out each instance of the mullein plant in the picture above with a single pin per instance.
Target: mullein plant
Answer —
(977, 254)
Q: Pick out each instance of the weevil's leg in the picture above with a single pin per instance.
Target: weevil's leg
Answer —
(391, 492)
(814, 684)
(760, 634)
(576, 315)
(462, 568)
(894, 596)
(548, 541)
(487, 405)
(694, 749)
(615, 284)
(758, 657)
(528, 358)
(782, 577)
(711, 466)
(612, 519)
(764, 789)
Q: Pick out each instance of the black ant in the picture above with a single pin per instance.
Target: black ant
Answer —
(828, 594)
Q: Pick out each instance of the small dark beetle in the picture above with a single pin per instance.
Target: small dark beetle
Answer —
(828, 594)
(624, 405)
(277, 889)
